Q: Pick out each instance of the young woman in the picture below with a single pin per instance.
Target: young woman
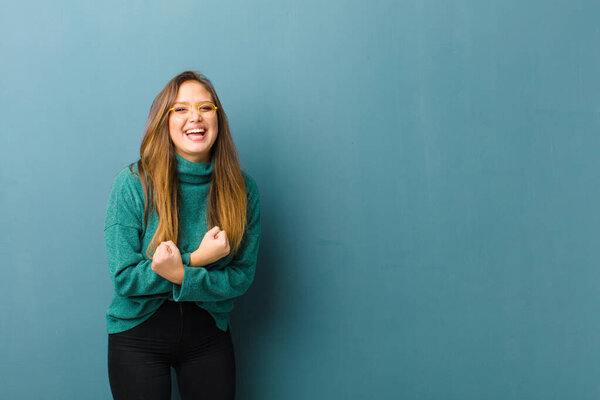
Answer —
(182, 233)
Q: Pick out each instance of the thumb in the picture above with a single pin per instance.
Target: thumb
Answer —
(214, 231)
(157, 251)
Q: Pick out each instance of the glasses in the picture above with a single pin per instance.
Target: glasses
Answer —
(183, 110)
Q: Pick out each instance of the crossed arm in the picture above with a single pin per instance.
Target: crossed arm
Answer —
(167, 261)
(182, 277)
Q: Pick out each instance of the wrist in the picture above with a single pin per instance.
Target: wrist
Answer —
(197, 259)
(180, 276)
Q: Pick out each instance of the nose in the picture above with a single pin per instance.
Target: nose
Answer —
(195, 114)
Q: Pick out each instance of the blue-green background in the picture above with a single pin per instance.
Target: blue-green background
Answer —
(429, 179)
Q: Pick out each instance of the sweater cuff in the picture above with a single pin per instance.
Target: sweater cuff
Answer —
(187, 288)
(185, 258)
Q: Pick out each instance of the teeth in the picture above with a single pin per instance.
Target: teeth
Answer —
(195, 131)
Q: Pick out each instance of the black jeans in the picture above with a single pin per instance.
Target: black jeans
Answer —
(181, 335)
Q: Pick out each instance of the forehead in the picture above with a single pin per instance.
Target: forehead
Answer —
(193, 92)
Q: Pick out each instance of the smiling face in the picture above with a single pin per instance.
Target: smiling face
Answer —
(194, 147)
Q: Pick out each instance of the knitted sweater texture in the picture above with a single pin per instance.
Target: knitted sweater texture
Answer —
(139, 291)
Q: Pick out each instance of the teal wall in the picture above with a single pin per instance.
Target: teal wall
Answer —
(429, 177)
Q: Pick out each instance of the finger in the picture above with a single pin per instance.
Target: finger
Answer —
(172, 247)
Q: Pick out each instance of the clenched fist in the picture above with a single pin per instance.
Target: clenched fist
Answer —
(167, 263)
(214, 246)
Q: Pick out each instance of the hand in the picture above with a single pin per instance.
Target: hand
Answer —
(167, 263)
(214, 246)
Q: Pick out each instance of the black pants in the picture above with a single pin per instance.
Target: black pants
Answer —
(181, 335)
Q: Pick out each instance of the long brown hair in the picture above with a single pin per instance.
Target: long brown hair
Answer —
(158, 171)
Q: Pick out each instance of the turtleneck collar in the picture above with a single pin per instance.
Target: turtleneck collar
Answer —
(191, 172)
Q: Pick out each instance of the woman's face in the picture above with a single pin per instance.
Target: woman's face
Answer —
(194, 147)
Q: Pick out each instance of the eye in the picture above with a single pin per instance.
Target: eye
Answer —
(181, 108)
(206, 108)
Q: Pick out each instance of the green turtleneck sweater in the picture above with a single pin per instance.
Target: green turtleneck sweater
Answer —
(139, 291)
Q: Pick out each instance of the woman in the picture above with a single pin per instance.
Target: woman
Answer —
(182, 233)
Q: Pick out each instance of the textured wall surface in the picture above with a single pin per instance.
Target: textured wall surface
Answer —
(429, 177)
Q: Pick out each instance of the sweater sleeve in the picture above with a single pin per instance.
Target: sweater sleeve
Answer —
(201, 284)
(130, 269)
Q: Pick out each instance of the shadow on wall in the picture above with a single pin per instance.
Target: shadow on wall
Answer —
(254, 313)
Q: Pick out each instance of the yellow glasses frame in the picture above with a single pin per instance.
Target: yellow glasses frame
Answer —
(191, 107)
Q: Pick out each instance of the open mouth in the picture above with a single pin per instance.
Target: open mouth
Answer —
(195, 134)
